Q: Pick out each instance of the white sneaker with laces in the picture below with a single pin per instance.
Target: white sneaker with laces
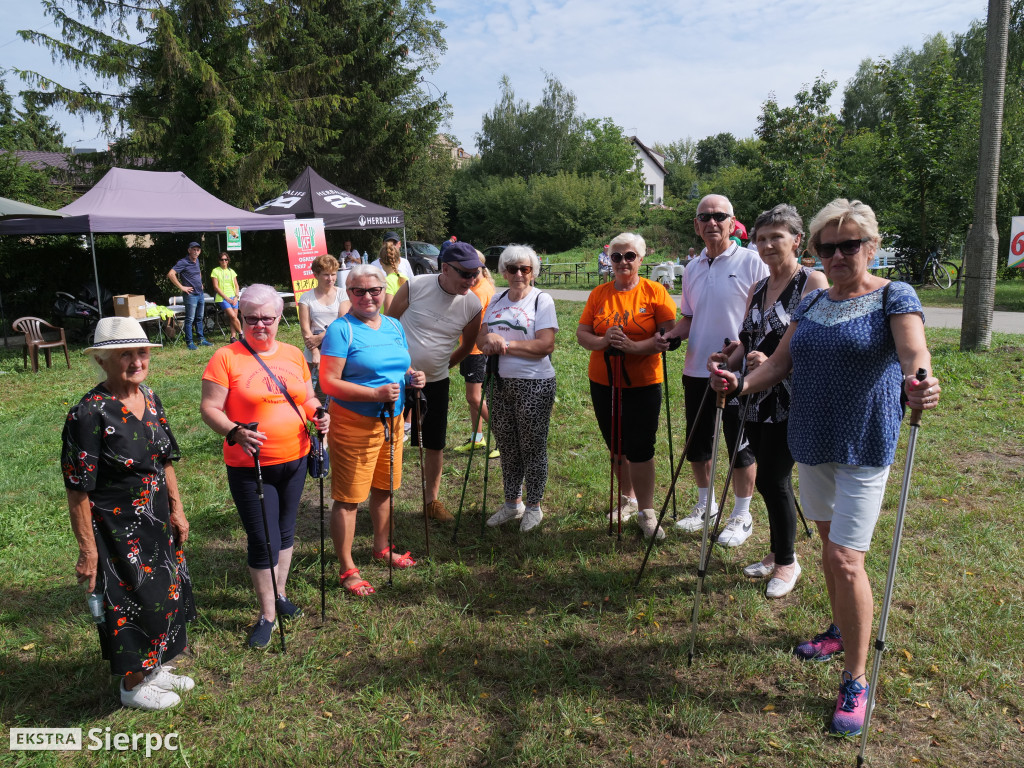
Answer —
(629, 508)
(695, 520)
(506, 513)
(648, 520)
(147, 696)
(779, 588)
(737, 530)
(531, 518)
(162, 677)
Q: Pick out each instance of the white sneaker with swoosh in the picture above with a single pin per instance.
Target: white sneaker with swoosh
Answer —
(737, 530)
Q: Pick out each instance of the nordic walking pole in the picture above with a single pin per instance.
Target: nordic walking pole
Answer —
(719, 407)
(675, 478)
(388, 416)
(615, 439)
(472, 449)
(890, 580)
(417, 406)
(323, 566)
(266, 526)
(803, 519)
(492, 365)
(668, 422)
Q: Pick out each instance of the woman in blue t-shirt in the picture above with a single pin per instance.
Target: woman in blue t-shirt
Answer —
(851, 348)
(363, 367)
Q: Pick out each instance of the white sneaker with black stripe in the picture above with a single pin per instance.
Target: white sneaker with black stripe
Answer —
(737, 530)
(695, 520)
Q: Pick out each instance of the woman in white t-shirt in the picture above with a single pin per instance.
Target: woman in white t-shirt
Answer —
(519, 327)
(318, 308)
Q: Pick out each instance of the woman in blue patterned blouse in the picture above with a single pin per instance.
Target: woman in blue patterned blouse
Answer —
(851, 349)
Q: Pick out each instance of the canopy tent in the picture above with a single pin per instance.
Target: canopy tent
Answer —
(127, 201)
(311, 196)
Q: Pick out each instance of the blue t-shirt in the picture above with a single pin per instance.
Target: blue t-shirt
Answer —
(189, 274)
(847, 378)
(372, 357)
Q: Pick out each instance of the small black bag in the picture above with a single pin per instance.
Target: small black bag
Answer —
(318, 462)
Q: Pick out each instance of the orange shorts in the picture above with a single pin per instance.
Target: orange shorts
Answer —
(360, 457)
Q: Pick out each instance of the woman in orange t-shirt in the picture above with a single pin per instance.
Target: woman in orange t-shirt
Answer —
(626, 317)
(237, 391)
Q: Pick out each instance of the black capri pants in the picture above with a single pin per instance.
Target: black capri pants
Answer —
(282, 488)
(641, 409)
(435, 420)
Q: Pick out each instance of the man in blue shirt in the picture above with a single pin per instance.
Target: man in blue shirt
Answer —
(187, 276)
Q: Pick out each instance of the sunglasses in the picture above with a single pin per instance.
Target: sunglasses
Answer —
(224, 259)
(257, 319)
(515, 269)
(363, 291)
(629, 257)
(464, 274)
(718, 216)
(847, 247)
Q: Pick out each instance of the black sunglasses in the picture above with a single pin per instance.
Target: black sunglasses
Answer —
(718, 216)
(463, 273)
(257, 319)
(847, 247)
(515, 269)
(363, 291)
(628, 257)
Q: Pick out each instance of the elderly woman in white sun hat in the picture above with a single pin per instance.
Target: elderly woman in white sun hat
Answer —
(128, 518)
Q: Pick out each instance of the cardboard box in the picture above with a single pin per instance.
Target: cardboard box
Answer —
(130, 305)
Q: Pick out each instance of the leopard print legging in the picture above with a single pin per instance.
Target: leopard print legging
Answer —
(520, 416)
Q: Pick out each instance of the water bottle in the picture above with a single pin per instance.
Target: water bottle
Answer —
(96, 607)
(366, 258)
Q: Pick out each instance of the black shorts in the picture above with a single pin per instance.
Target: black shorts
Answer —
(641, 412)
(473, 369)
(704, 437)
(435, 421)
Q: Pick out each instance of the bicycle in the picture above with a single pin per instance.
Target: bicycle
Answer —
(940, 273)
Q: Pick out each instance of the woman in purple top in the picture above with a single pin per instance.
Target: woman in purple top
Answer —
(852, 348)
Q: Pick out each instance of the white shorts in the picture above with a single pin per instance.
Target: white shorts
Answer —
(846, 495)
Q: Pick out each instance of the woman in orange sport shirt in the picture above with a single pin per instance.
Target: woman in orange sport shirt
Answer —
(238, 391)
(626, 316)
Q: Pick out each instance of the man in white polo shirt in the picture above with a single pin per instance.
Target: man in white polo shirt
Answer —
(435, 310)
(715, 288)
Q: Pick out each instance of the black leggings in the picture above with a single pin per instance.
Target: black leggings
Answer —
(775, 484)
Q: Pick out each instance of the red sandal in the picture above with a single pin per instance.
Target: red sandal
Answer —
(397, 561)
(354, 588)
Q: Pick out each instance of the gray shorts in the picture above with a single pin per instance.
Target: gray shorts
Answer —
(847, 496)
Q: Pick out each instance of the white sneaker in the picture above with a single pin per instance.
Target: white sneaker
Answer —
(648, 520)
(758, 570)
(695, 520)
(531, 519)
(779, 588)
(629, 508)
(162, 677)
(737, 530)
(148, 696)
(506, 513)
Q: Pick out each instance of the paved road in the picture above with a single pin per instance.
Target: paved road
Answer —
(935, 317)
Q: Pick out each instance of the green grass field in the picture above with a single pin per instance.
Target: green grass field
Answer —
(536, 650)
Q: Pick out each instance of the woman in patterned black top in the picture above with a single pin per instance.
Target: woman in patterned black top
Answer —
(128, 518)
(852, 349)
(772, 301)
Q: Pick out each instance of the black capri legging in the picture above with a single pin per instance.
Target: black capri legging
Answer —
(641, 410)
(282, 488)
(775, 484)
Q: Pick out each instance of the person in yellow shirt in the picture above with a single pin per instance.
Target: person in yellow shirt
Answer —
(225, 286)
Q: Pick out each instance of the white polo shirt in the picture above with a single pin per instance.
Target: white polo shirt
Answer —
(714, 296)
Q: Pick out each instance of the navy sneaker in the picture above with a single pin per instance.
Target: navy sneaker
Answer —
(287, 610)
(191, 346)
(204, 343)
(821, 647)
(262, 634)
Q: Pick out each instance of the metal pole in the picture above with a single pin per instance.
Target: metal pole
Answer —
(96, 275)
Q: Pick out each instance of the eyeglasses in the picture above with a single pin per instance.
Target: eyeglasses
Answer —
(464, 274)
(847, 247)
(718, 216)
(515, 269)
(223, 259)
(257, 319)
(629, 257)
(360, 292)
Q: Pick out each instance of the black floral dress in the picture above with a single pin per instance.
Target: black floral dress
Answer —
(118, 460)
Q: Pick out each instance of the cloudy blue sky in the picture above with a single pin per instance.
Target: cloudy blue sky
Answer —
(662, 71)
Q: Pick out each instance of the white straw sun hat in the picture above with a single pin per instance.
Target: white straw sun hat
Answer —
(119, 333)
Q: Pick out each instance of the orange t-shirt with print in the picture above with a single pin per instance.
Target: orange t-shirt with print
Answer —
(253, 396)
(485, 292)
(639, 311)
